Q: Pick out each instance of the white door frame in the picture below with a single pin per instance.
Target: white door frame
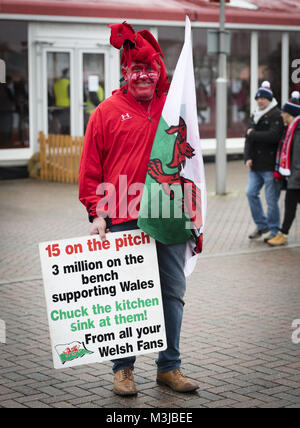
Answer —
(74, 39)
(47, 50)
(108, 85)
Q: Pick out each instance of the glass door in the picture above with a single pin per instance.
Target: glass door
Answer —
(74, 82)
(58, 93)
(93, 83)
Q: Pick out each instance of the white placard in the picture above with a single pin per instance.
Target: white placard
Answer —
(103, 298)
(93, 83)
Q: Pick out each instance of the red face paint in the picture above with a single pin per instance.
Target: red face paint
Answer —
(141, 80)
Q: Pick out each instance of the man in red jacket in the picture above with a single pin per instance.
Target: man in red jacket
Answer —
(114, 160)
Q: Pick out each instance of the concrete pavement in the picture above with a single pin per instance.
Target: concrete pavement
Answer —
(241, 301)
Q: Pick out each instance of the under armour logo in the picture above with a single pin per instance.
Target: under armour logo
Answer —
(125, 116)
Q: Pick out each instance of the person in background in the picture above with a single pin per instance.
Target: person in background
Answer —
(288, 166)
(93, 99)
(262, 138)
(61, 91)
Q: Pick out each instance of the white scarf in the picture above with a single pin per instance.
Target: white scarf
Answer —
(258, 114)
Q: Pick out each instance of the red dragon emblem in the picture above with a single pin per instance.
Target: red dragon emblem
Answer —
(68, 351)
(191, 202)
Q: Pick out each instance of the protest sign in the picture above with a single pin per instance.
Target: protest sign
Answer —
(103, 298)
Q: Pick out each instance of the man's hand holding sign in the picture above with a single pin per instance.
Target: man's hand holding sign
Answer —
(103, 297)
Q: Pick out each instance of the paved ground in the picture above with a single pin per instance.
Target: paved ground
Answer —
(240, 304)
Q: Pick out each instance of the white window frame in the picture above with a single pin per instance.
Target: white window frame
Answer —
(74, 39)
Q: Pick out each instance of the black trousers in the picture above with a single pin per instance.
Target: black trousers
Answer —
(292, 198)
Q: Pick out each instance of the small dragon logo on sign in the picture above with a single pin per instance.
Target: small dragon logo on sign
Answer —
(71, 351)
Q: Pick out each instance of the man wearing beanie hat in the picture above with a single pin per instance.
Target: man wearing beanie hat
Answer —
(118, 143)
(262, 138)
(288, 166)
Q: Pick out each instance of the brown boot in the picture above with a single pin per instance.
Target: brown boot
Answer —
(279, 239)
(176, 381)
(124, 382)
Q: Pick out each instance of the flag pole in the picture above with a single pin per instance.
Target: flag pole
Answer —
(221, 108)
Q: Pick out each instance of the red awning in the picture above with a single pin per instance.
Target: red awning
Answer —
(269, 12)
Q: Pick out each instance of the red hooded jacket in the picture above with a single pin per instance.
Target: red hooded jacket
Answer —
(118, 142)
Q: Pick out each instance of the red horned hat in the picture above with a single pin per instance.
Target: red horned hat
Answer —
(139, 47)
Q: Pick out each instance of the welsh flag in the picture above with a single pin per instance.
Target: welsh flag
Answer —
(173, 204)
(71, 351)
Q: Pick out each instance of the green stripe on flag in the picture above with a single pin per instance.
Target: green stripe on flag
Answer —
(161, 216)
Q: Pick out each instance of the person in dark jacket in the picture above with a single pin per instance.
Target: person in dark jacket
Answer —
(289, 166)
(262, 138)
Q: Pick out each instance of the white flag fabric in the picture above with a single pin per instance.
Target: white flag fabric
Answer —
(176, 160)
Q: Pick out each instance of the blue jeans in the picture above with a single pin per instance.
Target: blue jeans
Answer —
(256, 180)
(173, 286)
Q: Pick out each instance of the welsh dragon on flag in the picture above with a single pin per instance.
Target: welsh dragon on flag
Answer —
(175, 170)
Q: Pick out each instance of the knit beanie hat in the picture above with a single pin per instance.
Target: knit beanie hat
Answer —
(265, 91)
(139, 47)
(292, 106)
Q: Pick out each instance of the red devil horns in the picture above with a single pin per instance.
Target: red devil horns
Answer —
(148, 36)
(120, 33)
(140, 46)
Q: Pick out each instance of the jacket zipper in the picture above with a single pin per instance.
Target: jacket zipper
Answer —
(149, 110)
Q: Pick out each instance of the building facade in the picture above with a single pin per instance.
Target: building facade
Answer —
(60, 65)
